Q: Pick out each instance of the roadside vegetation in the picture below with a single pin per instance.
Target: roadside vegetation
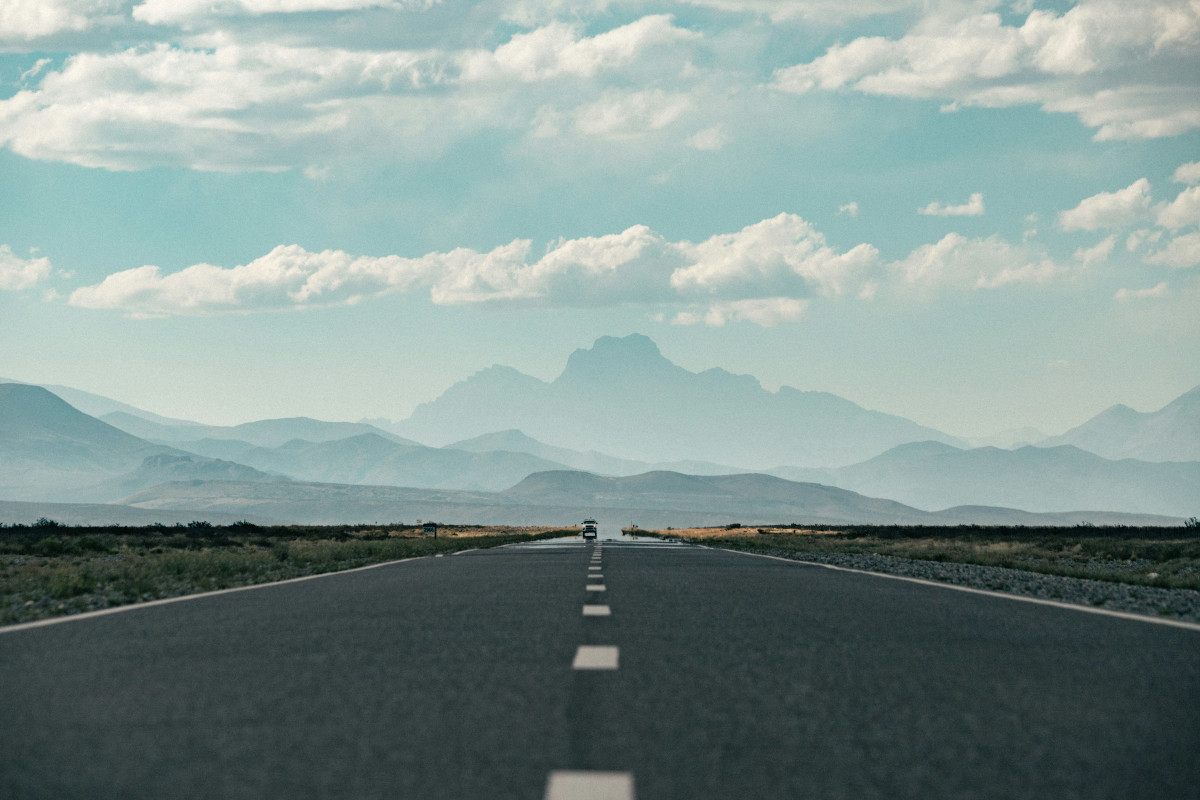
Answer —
(48, 569)
(1161, 557)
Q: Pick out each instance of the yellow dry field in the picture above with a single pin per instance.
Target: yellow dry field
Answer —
(727, 533)
(458, 531)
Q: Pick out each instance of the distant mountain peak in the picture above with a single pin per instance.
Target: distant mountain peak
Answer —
(626, 355)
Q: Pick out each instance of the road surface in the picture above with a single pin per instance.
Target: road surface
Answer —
(625, 669)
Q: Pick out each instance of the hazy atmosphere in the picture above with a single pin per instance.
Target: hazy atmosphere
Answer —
(580, 399)
(978, 216)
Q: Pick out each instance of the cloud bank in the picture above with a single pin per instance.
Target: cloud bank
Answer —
(1122, 68)
(767, 273)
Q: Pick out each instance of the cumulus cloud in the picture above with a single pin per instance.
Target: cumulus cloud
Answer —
(766, 312)
(760, 274)
(1119, 67)
(784, 255)
(18, 273)
(1181, 252)
(558, 50)
(972, 208)
(1159, 290)
(25, 20)
(1182, 212)
(850, 208)
(1109, 209)
(229, 105)
(601, 270)
(821, 10)
(1187, 173)
(624, 114)
(175, 12)
(1097, 253)
(961, 262)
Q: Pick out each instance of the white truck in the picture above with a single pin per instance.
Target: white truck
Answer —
(589, 529)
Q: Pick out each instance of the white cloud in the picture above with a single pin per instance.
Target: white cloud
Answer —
(1097, 253)
(709, 139)
(228, 105)
(625, 114)
(820, 10)
(175, 12)
(784, 255)
(972, 208)
(1120, 67)
(1138, 237)
(758, 275)
(1182, 212)
(850, 208)
(966, 263)
(1109, 209)
(558, 50)
(631, 266)
(25, 20)
(1159, 290)
(18, 273)
(1187, 173)
(765, 312)
(1181, 252)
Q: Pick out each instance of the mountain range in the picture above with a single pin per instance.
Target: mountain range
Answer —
(49, 450)
(563, 497)
(1170, 434)
(932, 475)
(623, 397)
(620, 396)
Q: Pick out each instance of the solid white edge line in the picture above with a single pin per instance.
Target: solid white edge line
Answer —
(41, 623)
(1174, 623)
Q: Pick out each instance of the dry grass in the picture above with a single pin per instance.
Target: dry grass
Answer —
(1162, 557)
(52, 570)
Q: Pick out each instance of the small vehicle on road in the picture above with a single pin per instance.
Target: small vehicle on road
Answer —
(589, 529)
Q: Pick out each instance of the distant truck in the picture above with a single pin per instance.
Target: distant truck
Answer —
(589, 529)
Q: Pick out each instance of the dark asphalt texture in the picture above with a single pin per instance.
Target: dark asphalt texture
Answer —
(740, 677)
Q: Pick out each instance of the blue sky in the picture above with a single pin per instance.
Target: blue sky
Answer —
(978, 215)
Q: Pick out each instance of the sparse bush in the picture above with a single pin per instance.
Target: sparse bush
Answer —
(42, 522)
(199, 523)
(1191, 522)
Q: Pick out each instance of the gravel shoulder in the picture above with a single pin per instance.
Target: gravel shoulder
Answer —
(1181, 604)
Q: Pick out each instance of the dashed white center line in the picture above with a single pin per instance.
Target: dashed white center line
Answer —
(596, 587)
(594, 567)
(574, 785)
(596, 656)
(597, 611)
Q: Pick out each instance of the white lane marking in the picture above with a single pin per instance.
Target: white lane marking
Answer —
(596, 656)
(104, 612)
(468, 550)
(578, 785)
(597, 611)
(595, 576)
(596, 587)
(593, 568)
(1041, 601)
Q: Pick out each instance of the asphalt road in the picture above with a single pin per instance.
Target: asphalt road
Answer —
(735, 677)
